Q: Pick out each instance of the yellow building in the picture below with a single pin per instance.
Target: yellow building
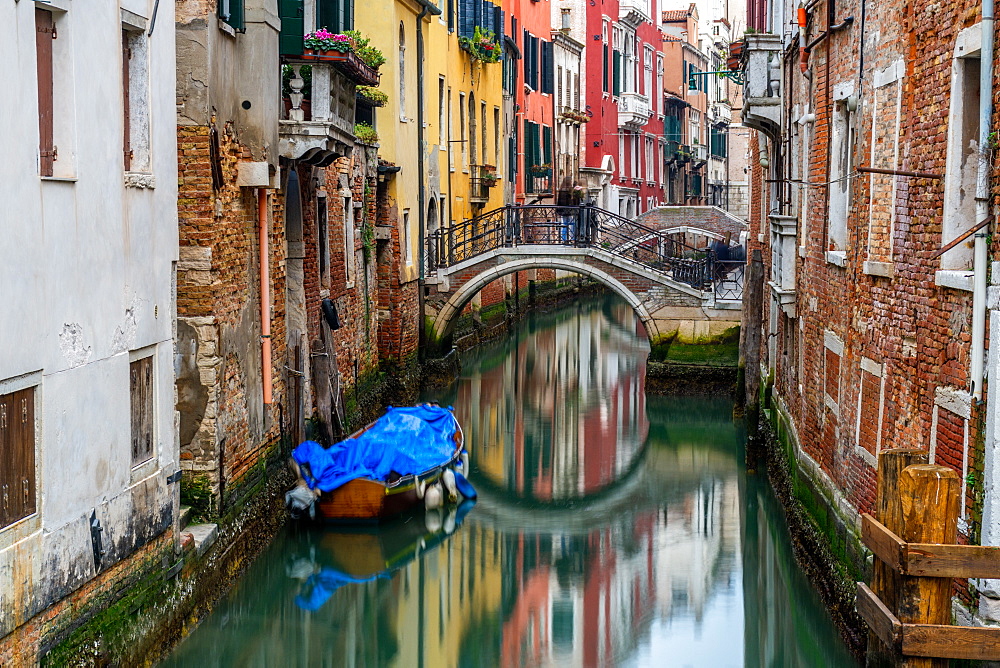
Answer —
(442, 123)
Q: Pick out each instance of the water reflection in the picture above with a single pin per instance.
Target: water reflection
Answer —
(558, 413)
(610, 530)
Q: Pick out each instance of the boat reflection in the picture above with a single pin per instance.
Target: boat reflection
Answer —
(362, 554)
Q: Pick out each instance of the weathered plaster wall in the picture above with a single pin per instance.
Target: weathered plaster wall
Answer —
(87, 269)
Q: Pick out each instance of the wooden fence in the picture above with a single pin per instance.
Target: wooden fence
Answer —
(913, 538)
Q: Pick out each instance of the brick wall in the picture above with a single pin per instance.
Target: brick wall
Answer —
(709, 218)
(890, 310)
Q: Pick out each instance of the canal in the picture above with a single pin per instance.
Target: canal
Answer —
(612, 529)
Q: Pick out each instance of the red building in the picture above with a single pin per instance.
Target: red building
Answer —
(624, 96)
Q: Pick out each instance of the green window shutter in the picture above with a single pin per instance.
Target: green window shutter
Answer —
(546, 145)
(232, 12)
(292, 27)
(548, 67)
(617, 90)
(606, 68)
(328, 15)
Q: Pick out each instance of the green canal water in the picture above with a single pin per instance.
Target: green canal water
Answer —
(612, 529)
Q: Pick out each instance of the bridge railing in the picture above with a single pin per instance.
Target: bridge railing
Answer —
(586, 226)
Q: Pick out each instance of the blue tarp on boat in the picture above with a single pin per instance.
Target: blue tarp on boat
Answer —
(405, 441)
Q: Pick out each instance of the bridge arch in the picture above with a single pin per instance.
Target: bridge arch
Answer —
(444, 322)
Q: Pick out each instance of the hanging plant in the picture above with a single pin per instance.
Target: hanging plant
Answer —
(373, 95)
(483, 45)
(368, 54)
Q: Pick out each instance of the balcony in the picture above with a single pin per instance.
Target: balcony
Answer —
(318, 127)
(700, 153)
(634, 12)
(483, 178)
(762, 90)
(633, 110)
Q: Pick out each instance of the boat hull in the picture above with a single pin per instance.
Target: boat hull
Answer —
(364, 500)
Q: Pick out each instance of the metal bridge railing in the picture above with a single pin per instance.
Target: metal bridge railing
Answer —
(587, 226)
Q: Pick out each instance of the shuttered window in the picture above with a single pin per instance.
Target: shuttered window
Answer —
(617, 90)
(292, 15)
(548, 63)
(231, 12)
(126, 108)
(335, 15)
(141, 392)
(45, 32)
(17, 455)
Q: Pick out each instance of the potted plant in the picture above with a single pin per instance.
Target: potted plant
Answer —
(540, 170)
(368, 54)
(482, 45)
(323, 42)
(372, 95)
(365, 133)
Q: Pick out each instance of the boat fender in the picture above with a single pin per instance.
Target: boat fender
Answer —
(432, 519)
(448, 478)
(421, 486)
(433, 497)
(464, 486)
(449, 521)
(465, 462)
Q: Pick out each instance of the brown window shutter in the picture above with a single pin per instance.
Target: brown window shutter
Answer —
(127, 110)
(44, 34)
(141, 388)
(17, 456)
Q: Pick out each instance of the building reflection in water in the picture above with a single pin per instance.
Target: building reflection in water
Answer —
(609, 531)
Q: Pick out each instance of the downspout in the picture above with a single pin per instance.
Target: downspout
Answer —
(982, 202)
(433, 10)
(265, 295)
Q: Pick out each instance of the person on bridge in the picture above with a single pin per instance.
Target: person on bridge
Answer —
(564, 200)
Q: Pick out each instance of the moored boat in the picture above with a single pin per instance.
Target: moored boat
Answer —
(398, 463)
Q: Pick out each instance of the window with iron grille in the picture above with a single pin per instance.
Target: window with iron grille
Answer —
(17, 455)
(141, 392)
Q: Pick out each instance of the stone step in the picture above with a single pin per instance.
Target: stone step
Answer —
(185, 516)
(202, 535)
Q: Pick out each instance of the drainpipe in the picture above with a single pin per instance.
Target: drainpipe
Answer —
(433, 10)
(982, 203)
(265, 295)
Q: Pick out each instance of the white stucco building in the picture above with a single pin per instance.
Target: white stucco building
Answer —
(89, 223)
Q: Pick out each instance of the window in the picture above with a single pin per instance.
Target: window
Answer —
(231, 13)
(45, 34)
(473, 137)
(560, 99)
(407, 237)
(497, 127)
(141, 393)
(441, 115)
(647, 82)
(962, 161)
(451, 134)
(869, 426)
(334, 15)
(834, 350)
(402, 73)
(348, 219)
(841, 166)
(483, 130)
(531, 60)
(451, 15)
(461, 131)
(323, 241)
(135, 95)
(17, 455)
(548, 67)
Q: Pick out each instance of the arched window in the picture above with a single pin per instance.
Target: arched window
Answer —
(402, 71)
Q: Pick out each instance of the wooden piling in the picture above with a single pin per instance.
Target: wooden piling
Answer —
(750, 332)
(889, 512)
(929, 496)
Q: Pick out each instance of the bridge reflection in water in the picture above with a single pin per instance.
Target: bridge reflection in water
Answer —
(612, 529)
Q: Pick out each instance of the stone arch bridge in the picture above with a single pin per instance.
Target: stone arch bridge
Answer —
(679, 280)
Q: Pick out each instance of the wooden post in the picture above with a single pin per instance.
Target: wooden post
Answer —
(929, 498)
(889, 511)
(753, 318)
